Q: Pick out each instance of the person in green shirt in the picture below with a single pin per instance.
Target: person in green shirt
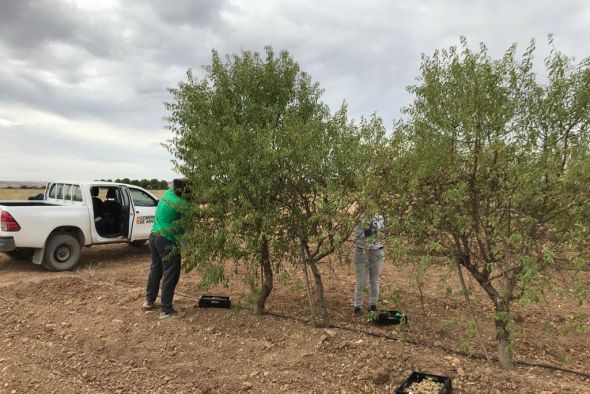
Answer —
(165, 250)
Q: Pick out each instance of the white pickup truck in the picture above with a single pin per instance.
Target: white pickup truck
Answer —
(75, 214)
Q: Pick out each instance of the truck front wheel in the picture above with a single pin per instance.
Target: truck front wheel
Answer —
(62, 252)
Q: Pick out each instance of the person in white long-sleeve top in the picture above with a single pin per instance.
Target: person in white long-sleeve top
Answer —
(368, 261)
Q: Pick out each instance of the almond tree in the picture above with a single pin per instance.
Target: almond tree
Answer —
(492, 169)
(276, 168)
(326, 166)
(225, 127)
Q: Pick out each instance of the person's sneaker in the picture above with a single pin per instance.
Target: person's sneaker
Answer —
(372, 308)
(357, 310)
(148, 306)
(172, 315)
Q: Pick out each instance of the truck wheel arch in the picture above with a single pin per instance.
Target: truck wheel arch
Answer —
(72, 230)
(62, 251)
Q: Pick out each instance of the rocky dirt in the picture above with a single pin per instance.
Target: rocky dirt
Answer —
(84, 332)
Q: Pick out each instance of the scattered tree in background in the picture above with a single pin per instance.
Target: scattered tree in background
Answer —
(153, 184)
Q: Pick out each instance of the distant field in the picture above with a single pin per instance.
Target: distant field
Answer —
(18, 194)
(157, 193)
(23, 194)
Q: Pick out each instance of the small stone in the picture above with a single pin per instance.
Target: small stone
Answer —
(267, 344)
(460, 371)
(246, 386)
(381, 376)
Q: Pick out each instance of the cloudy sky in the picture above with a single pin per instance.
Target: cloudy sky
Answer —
(82, 82)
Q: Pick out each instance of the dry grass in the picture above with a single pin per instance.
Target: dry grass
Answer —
(19, 194)
(157, 193)
(23, 194)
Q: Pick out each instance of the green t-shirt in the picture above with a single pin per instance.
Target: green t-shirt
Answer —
(167, 213)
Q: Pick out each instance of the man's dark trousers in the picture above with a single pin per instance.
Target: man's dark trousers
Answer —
(165, 268)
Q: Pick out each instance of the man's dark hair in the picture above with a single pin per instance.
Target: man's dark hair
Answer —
(180, 187)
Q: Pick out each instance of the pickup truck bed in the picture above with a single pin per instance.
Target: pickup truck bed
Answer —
(26, 204)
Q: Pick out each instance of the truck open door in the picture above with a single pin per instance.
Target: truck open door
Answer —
(126, 211)
(144, 210)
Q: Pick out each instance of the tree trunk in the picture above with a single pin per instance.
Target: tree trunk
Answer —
(267, 282)
(308, 286)
(500, 299)
(503, 334)
(470, 308)
(324, 319)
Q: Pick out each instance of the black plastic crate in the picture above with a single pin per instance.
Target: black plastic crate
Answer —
(388, 318)
(210, 301)
(417, 377)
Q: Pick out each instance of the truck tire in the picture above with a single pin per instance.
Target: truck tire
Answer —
(62, 252)
(137, 244)
(21, 254)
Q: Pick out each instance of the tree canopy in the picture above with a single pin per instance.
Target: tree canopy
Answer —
(253, 137)
(491, 170)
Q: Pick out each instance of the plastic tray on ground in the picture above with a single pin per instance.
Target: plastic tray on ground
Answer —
(417, 377)
(389, 318)
(211, 301)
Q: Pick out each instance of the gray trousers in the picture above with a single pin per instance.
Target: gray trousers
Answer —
(165, 267)
(367, 262)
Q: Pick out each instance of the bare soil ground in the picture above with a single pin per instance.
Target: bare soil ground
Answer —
(84, 332)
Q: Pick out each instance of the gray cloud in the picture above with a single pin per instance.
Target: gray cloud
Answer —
(81, 63)
(187, 12)
(28, 24)
(110, 62)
